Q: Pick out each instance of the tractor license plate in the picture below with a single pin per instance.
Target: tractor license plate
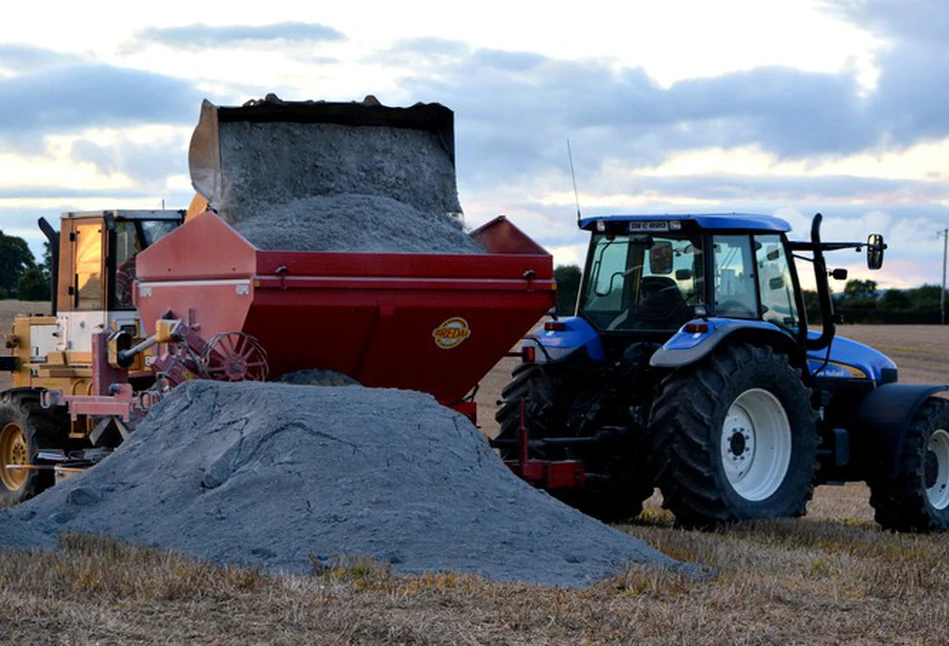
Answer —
(658, 225)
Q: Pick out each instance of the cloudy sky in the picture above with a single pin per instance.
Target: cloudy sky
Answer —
(783, 107)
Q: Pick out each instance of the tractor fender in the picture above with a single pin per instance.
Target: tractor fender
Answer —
(572, 334)
(685, 348)
(885, 414)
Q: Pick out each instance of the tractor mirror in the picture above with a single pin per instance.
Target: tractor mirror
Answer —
(875, 249)
(660, 258)
(683, 274)
(774, 252)
(839, 274)
(776, 283)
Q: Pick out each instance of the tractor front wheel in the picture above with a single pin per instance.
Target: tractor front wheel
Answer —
(734, 438)
(20, 432)
(916, 497)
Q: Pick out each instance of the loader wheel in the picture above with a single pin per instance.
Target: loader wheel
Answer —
(22, 425)
(546, 407)
(734, 438)
(916, 497)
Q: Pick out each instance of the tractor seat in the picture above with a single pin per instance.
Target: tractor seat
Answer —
(659, 297)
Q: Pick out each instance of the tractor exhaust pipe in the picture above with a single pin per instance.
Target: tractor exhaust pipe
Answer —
(828, 328)
(53, 236)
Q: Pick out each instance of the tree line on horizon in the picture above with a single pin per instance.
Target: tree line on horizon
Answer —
(861, 301)
(21, 276)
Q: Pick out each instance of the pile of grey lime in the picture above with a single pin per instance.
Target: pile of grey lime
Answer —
(279, 477)
(329, 187)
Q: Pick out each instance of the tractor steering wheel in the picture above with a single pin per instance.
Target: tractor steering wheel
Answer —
(734, 308)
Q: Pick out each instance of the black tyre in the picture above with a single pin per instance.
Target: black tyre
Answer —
(24, 428)
(916, 497)
(547, 405)
(542, 405)
(734, 438)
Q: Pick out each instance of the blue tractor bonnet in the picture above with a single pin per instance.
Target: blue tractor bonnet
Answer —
(743, 221)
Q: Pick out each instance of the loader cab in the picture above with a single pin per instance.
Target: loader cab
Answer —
(96, 269)
(646, 276)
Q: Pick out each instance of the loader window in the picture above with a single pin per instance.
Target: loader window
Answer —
(127, 247)
(131, 237)
(775, 284)
(89, 285)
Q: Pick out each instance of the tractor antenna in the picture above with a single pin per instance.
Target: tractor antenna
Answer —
(573, 176)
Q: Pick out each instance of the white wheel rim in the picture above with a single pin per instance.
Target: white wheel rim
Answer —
(756, 444)
(937, 469)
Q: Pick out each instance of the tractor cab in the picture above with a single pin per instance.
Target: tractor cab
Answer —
(649, 275)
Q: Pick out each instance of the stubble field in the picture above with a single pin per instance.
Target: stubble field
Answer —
(830, 577)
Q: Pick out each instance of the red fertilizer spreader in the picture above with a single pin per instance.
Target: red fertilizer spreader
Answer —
(436, 323)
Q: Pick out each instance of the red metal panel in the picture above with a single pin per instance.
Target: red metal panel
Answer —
(202, 248)
(215, 306)
(499, 236)
(403, 265)
(389, 338)
(564, 474)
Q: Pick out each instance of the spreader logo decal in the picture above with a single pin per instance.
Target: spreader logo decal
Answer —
(451, 333)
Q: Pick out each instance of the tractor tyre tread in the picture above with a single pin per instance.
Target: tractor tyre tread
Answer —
(685, 435)
(42, 428)
(899, 501)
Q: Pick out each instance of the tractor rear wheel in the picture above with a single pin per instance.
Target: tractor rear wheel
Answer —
(916, 497)
(734, 438)
(24, 427)
(547, 404)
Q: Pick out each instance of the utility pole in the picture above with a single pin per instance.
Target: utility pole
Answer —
(942, 295)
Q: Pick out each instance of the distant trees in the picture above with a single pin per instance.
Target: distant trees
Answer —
(863, 302)
(15, 258)
(568, 286)
(33, 285)
(20, 276)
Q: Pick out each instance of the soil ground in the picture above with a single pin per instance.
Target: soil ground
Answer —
(831, 577)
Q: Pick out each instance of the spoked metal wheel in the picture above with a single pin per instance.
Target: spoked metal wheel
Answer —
(234, 356)
(936, 469)
(14, 452)
(756, 444)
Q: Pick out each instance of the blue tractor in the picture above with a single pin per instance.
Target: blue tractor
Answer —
(689, 366)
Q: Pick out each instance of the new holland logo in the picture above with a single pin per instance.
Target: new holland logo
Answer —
(451, 333)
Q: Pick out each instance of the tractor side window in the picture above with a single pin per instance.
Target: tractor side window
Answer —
(89, 283)
(126, 248)
(608, 276)
(734, 278)
(774, 283)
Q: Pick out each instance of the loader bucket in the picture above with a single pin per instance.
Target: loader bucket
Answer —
(204, 156)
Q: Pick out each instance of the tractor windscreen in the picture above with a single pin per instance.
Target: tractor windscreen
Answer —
(642, 281)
